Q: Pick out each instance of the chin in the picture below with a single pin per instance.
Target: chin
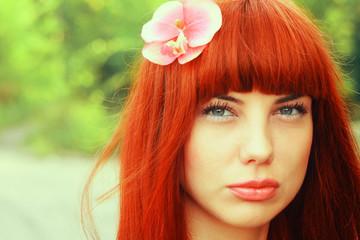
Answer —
(249, 221)
(248, 217)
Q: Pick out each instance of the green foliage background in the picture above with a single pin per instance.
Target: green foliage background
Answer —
(63, 63)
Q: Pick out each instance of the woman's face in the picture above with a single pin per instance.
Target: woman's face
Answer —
(247, 156)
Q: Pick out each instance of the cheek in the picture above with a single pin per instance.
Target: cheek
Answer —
(207, 152)
(207, 156)
(200, 164)
(293, 151)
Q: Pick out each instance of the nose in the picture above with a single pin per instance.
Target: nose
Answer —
(257, 147)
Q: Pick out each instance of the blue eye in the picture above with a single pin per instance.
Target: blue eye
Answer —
(292, 111)
(288, 111)
(218, 112)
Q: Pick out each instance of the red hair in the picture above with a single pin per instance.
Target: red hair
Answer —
(268, 45)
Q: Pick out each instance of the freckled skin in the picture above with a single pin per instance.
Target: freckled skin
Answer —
(254, 138)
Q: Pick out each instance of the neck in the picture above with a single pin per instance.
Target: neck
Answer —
(201, 225)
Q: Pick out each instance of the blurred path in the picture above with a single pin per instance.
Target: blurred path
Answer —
(40, 198)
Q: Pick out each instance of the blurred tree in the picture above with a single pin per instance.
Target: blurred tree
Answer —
(340, 19)
(60, 60)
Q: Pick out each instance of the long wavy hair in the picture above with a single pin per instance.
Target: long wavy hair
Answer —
(268, 45)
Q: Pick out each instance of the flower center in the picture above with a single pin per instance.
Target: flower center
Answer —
(179, 24)
(178, 47)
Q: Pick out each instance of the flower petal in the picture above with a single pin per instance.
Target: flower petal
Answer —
(190, 54)
(202, 20)
(162, 26)
(154, 52)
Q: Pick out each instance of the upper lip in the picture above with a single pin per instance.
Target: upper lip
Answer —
(255, 183)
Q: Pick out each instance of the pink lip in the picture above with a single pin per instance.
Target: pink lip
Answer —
(255, 189)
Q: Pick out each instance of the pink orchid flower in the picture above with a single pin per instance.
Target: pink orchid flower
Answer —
(180, 30)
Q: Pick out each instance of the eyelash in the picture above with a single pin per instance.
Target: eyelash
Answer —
(219, 105)
(299, 106)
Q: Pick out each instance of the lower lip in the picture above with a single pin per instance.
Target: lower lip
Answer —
(254, 194)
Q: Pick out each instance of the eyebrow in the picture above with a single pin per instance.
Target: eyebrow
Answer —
(288, 98)
(229, 98)
(278, 101)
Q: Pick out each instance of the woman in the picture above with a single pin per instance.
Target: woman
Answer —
(241, 136)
